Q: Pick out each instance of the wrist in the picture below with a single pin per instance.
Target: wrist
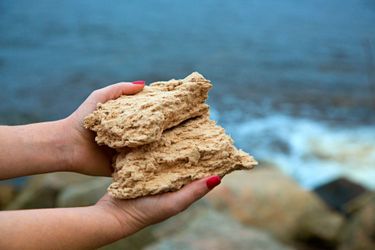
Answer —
(127, 224)
(59, 143)
(110, 228)
(68, 140)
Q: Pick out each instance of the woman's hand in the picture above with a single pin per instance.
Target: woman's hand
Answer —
(94, 226)
(63, 145)
(134, 214)
(84, 155)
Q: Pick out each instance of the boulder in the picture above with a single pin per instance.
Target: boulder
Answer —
(83, 193)
(206, 228)
(158, 231)
(359, 232)
(338, 193)
(268, 199)
(41, 191)
(7, 194)
(136, 241)
(213, 230)
(199, 227)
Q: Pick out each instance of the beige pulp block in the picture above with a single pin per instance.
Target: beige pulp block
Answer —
(134, 120)
(195, 149)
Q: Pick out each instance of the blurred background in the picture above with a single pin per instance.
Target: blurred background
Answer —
(294, 84)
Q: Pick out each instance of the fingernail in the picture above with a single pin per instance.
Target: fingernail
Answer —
(213, 182)
(139, 82)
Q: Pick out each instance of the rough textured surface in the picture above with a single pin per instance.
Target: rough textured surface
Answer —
(164, 138)
(134, 120)
(195, 149)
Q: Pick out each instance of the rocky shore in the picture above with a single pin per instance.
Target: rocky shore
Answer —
(261, 209)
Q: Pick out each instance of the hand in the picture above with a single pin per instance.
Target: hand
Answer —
(134, 214)
(85, 156)
(94, 226)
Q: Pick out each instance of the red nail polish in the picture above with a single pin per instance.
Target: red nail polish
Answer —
(139, 82)
(213, 182)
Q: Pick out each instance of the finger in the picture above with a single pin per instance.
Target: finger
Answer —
(192, 192)
(116, 90)
(110, 92)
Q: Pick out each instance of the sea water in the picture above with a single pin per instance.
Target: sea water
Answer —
(311, 152)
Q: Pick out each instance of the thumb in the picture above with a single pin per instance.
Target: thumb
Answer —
(110, 92)
(116, 90)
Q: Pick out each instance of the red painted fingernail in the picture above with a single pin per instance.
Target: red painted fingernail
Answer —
(213, 182)
(139, 82)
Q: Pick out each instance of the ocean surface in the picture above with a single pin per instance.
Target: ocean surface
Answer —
(294, 80)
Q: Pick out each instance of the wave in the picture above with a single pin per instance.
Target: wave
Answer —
(311, 152)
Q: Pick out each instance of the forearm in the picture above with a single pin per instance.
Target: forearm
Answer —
(63, 228)
(32, 149)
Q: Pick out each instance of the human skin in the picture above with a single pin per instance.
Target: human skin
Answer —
(65, 145)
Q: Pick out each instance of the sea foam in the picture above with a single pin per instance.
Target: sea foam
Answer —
(311, 152)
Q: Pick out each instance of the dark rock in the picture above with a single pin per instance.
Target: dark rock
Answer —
(338, 193)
